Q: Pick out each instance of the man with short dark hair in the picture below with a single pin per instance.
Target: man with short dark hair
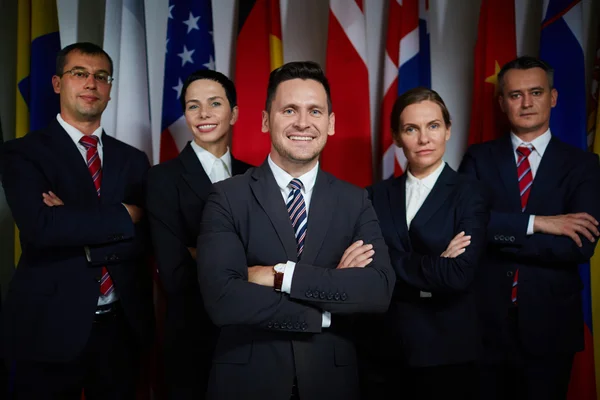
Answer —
(286, 254)
(79, 310)
(545, 207)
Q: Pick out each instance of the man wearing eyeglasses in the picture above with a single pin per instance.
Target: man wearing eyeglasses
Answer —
(79, 309)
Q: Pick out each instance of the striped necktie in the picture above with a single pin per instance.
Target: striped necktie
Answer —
(297, 210)
(95, 167)
(525, 181)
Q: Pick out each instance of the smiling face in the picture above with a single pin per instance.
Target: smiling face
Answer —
(299, 123)
(527, 100)
(82, 99)
(422, 135)
(208, 113)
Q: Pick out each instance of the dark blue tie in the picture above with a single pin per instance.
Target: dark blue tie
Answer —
(297, 211)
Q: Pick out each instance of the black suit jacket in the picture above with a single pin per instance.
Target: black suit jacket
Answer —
(549, 293)
(268, 337)
(176, 193)
(52, 298)
(441, 329)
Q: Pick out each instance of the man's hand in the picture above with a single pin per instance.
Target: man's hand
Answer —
(192, 251)
(571, 225)
(51, 200)
(357, 255)
(457, 246)
(135, 212)
(261, 275)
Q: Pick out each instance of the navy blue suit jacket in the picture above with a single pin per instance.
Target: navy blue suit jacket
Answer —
(50, 305)
(441, 329)
(550, 316)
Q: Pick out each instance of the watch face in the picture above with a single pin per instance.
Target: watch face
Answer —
(279, 268)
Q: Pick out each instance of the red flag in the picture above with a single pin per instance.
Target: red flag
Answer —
(347, 154)
(258, 52)
(496, 45)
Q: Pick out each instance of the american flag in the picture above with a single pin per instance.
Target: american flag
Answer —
(190, 47)
(407, 65)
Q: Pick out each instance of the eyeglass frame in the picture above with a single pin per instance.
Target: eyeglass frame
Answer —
(109, 78)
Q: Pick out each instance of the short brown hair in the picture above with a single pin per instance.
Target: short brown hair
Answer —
(414, 96)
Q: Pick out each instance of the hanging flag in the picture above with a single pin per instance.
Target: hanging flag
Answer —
(496, 45)
(258, 52)
(561, 45)
(407, 65)
(127, 116)
(594, 145)
(347, 154)
(38, 42)
(189, 47)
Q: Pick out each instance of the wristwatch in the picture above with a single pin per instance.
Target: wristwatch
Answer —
(278, 270)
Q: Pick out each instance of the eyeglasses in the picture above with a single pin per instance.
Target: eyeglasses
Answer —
(82, 74)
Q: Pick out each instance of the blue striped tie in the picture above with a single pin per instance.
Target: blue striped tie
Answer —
(297, 211)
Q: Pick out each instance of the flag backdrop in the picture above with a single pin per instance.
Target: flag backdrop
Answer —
(347, 154)
(258, 52)
(127, 116)
(38, 41)
(189, 47)
(407, 65)
(561, 46)
(496, 45)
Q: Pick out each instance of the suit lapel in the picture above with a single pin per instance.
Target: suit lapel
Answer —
(549, 170)
(322, 205)
(397, 203)
(194, 174)
(113, 164)
(504, 159)
(437, 197)
(267, 193)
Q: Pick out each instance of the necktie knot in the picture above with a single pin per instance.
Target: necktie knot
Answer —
(524, 151)
(296, 184)
(89, 141)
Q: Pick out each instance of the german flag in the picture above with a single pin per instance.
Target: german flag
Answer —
(258, 52)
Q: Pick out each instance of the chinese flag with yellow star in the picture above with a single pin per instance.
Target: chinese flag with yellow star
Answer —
(496, 45)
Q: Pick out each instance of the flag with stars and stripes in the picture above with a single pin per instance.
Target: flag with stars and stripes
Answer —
(561, 45)
(407, 65)
(190, 47)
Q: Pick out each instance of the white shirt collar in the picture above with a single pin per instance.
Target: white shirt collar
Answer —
(539, 143)
(429, 181)
(207, 159)
(75, 134)
(283, 179)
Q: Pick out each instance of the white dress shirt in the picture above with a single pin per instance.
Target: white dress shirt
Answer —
(417, 191)
(217, 168)
(308, 180)
(76, 135)
(539, 144)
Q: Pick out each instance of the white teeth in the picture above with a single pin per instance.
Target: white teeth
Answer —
(206, 126)
(302, 138)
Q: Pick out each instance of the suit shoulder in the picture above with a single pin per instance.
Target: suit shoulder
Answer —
(480, 148)
(165, 171)
(236, 182)
(126, 147)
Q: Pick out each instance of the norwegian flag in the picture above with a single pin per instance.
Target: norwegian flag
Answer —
(190, 47)
(407, 65)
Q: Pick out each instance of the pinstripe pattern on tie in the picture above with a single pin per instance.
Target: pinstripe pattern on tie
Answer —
(297, 211)
(95, 167)
(525, 177)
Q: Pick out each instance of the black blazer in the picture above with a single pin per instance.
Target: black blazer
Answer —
(53, 295)
(176, 193)
(549, 297)
(441, 329)
(268, 337)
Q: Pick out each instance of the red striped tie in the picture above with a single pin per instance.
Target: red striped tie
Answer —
(95, 168)
(525, 180)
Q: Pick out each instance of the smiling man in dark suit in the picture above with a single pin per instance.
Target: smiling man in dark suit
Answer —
(79, 308)
(176, 194)
(286, 254)
(545, 207)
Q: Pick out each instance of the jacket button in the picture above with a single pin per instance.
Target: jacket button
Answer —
(502, 237)
(509, 274)
(297, 325)
(98, 278)
(276, 325)
(304, 326)
(316, 294)
(495, 237)
(270, 325)
(329, 296)
(512, 238)
(344, 297)
(322, 295)
(337, 296)
(289, 325)
(308, 293)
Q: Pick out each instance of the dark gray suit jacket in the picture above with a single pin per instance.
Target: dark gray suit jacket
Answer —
(267, 337)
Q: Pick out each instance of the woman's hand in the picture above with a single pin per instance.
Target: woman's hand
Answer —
(457, 246)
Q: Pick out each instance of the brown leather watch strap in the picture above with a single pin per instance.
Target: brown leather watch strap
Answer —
(278, 280)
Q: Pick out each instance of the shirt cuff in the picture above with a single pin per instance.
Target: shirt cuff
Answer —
(326, 320)
(88, 256)
(530, 225)
(288, 274)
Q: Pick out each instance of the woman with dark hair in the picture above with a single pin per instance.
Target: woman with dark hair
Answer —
(433, 221)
